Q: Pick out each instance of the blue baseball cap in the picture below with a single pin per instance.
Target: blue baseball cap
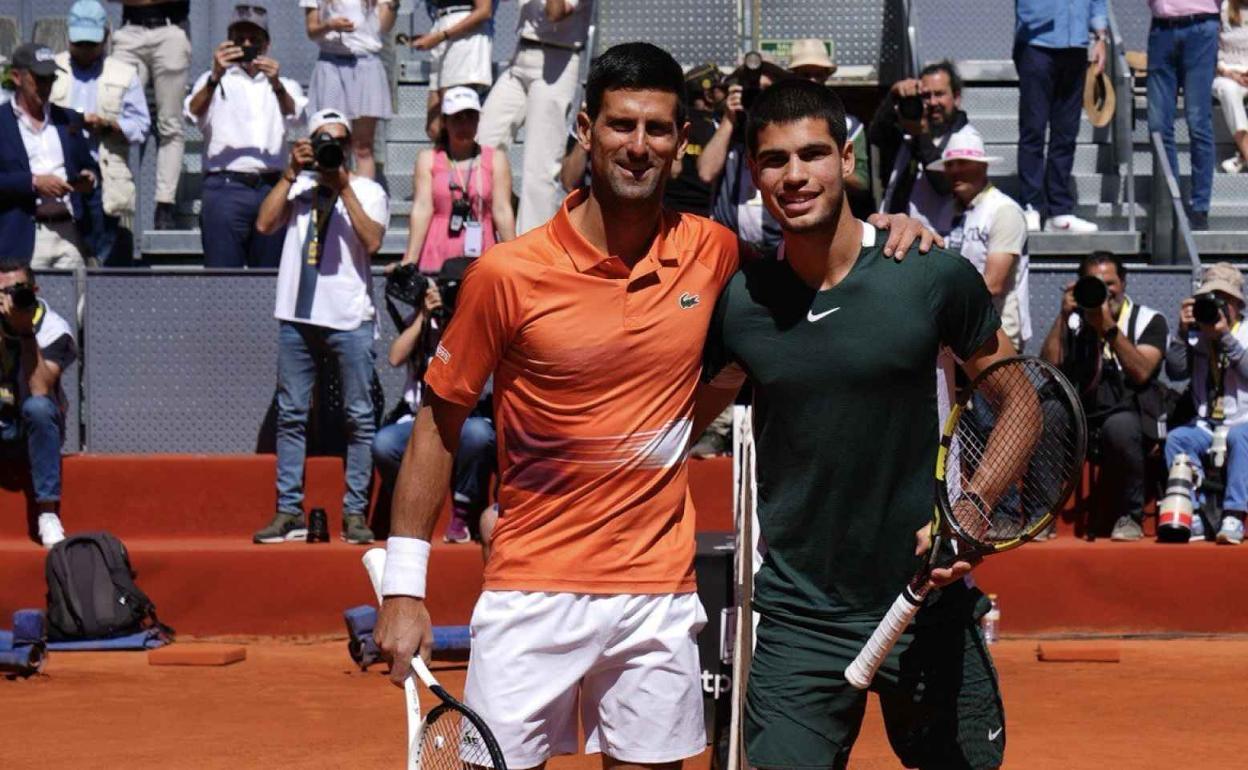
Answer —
(87, 22)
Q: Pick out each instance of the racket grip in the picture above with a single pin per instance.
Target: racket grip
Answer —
(862, 670)
(375, 564)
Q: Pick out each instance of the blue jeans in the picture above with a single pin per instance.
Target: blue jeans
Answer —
(112, 245)
(474, 461)
(1050, 96)
(1194, 441)
(227, 218)
(297, 346)
(1185, 56)
(40, 423)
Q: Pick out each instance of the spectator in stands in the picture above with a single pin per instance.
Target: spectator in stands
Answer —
(1214, 356)
(687, 191)
(109, 94)
(989, 230)
(154, 38)
(334, 222)
(243, 107)
(45, 167)
(1051, 54)
(1231, 84)
(461, 45)
(920, 115)
(349, 75)
(1112, 352)
(736, 202)
(810, 60)
(536, 91)
(1183, 52)
(36, 346)
(461, 203)
(475, 457)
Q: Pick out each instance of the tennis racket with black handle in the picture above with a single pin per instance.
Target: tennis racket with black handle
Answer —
(1010, 455)
(452, 736)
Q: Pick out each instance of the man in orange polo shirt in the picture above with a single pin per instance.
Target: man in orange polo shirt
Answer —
(592, 327)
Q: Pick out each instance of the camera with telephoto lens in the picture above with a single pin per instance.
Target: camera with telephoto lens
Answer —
(1208, 308)
(328, 151)
(750, 77)
(23, 296)
(1090, 292)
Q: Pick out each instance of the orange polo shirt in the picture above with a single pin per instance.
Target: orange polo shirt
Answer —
(595, 368)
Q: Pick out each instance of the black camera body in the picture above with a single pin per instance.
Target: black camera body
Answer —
(1208, 308)
(408, 285)
(328, 151)
(910, 108)
(1090, 292)
(750, 77)
(23, 296)
(250, 52)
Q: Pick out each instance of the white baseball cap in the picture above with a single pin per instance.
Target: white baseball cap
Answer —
(966, 144)
(458, 99)
(327, 117)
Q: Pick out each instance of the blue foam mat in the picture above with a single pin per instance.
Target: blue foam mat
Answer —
(143, 640)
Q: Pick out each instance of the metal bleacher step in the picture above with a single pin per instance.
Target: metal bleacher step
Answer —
(1090, 188)
(1078, 244)
(1089, 158)
(1003, 129)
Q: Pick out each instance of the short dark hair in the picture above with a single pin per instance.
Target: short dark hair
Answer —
(1101, 258)
(634, 67)
(794, 99)
(945, 66)
(14, 264)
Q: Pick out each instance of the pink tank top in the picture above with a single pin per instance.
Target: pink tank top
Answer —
(477, 178)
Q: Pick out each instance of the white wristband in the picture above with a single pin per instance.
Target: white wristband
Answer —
(407, 562)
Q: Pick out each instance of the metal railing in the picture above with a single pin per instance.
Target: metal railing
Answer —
(1124, 114)
(1170, 234)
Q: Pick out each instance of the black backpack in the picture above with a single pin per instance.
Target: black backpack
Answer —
(91, 591)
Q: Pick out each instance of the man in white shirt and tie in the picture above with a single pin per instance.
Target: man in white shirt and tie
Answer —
(244, 108)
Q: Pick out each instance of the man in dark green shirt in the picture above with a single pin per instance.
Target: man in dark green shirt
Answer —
(841, 345)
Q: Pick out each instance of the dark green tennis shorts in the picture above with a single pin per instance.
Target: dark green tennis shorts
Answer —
(938, 691)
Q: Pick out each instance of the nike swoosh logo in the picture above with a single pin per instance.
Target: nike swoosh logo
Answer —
(812, 316)
(992, 734)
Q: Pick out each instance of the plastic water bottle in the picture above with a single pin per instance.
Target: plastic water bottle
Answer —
(991, 620)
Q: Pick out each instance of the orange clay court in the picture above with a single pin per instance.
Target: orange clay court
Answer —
(303, 704)
(1175, 698)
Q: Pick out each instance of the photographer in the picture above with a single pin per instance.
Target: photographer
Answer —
(335, 221)
(1210, 349)
(462, 190)
(921, 114)
(243, 107)
(736, 203)
(36, 345)
(475, 458)
(1111, 348)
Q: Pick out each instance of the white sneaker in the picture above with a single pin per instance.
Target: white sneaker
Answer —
(1069, 223)
(1233, 165)
(50, 530)
(1033, 219)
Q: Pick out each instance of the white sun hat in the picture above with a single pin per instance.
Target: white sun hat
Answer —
(965, 144)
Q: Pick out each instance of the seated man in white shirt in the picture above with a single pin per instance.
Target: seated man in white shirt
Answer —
(334, 222)
(989, 229)
(243, 107)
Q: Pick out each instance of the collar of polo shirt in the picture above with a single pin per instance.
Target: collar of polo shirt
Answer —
(585, 257)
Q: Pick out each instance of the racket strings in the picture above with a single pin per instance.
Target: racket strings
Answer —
(1014, 453)
(451, 742)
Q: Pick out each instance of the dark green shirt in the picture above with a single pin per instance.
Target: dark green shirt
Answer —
(845, 417)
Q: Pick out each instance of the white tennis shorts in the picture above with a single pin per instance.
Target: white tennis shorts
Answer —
(629, 661)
